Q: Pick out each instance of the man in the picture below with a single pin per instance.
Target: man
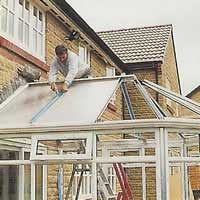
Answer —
(65, 62)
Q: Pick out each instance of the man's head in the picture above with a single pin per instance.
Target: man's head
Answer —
(61, 53)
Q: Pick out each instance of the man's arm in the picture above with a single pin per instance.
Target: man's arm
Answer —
(53, 74)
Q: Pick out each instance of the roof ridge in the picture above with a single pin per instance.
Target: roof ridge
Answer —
(134, 28)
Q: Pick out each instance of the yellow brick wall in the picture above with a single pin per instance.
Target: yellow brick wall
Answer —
(187, 113)
(169, 72)
(55, 34)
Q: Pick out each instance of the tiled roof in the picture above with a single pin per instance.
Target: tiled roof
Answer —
(135, 45)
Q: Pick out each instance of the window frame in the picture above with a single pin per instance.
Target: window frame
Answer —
(23, 148)
(14, 39)
(86, 61)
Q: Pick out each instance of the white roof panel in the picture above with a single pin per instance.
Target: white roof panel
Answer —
(84, 102)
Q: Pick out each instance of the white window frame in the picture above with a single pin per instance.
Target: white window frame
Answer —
(86, 52)
(14, 39)
(23, 148)
(75, 156)
(110, 72)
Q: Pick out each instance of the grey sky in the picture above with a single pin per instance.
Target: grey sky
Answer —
(183, 14)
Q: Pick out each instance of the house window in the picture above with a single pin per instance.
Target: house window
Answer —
(22, 23)
(110, 71)
(84, 56)
(15, 181)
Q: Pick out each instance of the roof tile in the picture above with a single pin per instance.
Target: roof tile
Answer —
(138, 44)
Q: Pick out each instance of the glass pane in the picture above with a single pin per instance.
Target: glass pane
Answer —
(40, 23)
(27, 178)
(11, 4)
(27, 12)
(20, 30)
(21, 2)
(35, 17)
(11, 24)
(34, 40)
(39, 182)
(26, 35)
(4, 2)
(20, 10)
(40, 44)
(4, 16)
(9, 187)
(82, 54)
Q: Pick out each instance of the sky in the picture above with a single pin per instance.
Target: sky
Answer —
(184, 15)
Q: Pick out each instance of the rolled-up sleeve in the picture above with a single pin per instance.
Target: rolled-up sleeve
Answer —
(53, 71)
(73, 69)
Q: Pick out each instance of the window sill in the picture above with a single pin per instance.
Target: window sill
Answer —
(112, 107)
(22, 53)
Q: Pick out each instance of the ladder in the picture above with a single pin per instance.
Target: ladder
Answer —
(105, 192)
(126, 193)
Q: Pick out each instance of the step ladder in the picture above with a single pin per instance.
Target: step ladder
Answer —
(126, 193)
(105, 192)
(74, 170)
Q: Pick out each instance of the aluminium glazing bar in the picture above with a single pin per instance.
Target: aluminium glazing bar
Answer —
(148, 99)
(127, 100)
(149, 83)
(174, 97)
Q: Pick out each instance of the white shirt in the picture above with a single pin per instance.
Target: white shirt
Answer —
(69, 69)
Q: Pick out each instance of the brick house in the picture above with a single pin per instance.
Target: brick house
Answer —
(149, 53)
(30, 32)
(194, 171)
(194, 95)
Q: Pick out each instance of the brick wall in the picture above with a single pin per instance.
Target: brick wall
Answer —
(187, 113)
(165, 71)
(169, 74)
(54, 35)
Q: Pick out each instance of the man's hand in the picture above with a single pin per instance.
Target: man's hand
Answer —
(64, 87)
(54, 87)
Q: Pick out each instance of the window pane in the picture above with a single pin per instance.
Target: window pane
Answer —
(11, 24)
(4, 2)
(21, 2)
(20, 30)
(26, 11)
(27, 178)
(34, 40)
(40, 24)
(35, 17)
(9, 187)
(11, 4)
(82, 54)
(39, 182)
(26, 35)
(40, 44)
(4, 16)
(21, 8)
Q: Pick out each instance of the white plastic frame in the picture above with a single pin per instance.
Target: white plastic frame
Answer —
(78, 136)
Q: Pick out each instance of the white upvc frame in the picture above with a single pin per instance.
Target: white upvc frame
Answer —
(14, 39)
(22, 148)
(77, 136)
(86, 52)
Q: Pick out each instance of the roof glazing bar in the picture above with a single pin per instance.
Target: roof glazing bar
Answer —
(173, 96)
